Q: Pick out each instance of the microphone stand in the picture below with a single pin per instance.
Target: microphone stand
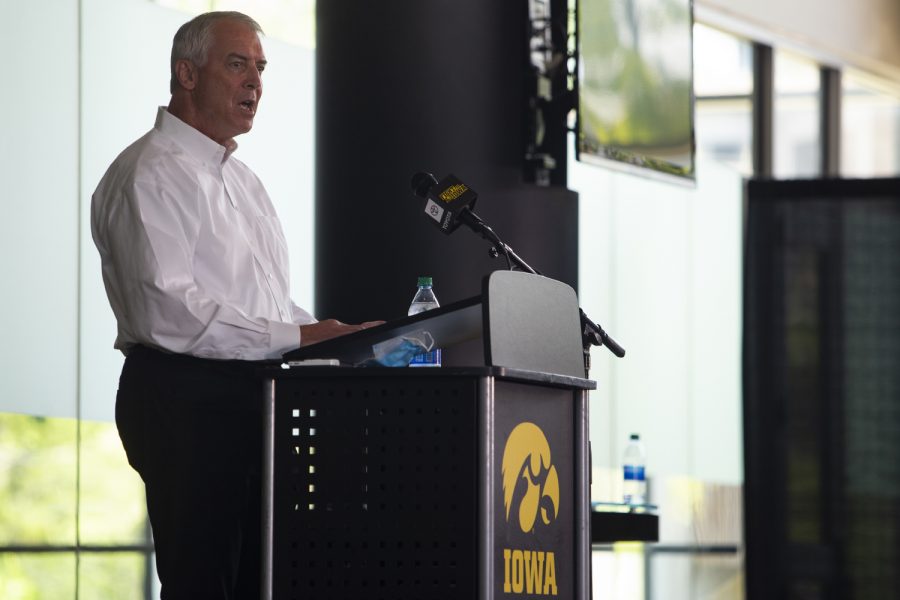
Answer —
(591, 333)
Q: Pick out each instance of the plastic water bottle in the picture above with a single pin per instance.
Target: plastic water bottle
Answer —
(633, 462)
(422, 301)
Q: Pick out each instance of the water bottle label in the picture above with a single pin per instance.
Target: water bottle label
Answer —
(428, 359)
(634, 473)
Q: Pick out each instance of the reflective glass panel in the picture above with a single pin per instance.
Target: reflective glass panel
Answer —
(870, 127)
(796, 129)
(723, 83)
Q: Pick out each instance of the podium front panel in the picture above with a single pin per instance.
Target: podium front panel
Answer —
(407, 484)
(375, 489)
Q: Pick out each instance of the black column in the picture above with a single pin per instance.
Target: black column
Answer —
(413, 85)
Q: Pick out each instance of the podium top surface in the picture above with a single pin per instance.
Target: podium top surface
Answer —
(449, 325)
(526, 322)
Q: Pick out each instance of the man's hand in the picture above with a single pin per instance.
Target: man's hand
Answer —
(330, 328)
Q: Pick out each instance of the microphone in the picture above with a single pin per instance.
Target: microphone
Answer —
(448, 203)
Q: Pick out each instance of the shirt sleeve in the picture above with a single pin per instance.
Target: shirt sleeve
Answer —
(150, 237)
(301, 317)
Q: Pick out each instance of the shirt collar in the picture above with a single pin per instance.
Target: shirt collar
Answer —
(191, 140)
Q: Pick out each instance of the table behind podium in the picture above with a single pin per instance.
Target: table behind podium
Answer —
(454, 482)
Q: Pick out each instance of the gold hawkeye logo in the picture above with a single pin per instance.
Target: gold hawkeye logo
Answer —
(526, 458)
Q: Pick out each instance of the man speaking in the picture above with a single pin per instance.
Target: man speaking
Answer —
(196, 271)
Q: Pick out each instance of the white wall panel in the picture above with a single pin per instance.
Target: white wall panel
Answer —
(716, 315)
(39, 228)
(660, 269)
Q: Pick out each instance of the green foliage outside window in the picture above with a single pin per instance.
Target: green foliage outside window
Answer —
(65, 508)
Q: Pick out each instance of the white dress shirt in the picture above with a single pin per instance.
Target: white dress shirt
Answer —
(193, 256)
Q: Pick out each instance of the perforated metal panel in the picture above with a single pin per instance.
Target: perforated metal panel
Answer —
(375, 489)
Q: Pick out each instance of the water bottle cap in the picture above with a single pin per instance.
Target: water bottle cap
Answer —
(424, 281)
(635, 436)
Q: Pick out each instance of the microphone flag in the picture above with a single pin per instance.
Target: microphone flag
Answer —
(447, 200)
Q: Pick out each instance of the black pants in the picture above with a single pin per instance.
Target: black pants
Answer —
(192, 428)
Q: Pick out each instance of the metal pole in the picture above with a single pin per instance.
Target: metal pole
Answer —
(268, 480)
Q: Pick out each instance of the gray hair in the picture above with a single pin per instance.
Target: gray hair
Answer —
(193, 39)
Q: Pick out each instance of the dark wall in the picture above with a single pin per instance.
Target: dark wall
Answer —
(439, 86)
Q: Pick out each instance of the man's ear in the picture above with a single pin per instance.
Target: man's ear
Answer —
(186, 73)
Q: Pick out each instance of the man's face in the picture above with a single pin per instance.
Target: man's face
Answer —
(229, 86)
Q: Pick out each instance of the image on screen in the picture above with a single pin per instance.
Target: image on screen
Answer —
(635, 85)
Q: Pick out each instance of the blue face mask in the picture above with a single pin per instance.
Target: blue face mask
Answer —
(399, 351)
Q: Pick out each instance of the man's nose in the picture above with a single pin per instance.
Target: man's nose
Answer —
(254, 80)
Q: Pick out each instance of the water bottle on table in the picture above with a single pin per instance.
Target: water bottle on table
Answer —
(633, 463)
(422, 301)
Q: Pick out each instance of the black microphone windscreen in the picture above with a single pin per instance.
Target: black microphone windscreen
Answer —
(421, 183)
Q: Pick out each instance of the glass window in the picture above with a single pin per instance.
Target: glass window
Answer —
(689, 575)
(111, 494)
(870, 127)
(33, 575)
(723, 83)
(113, 575)
(796, 135)
(38, 475)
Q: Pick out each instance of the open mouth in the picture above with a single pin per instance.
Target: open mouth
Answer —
(248, 106)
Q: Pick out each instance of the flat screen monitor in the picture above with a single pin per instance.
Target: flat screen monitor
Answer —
(635, 86)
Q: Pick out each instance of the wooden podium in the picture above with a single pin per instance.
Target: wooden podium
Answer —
(467, 481)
